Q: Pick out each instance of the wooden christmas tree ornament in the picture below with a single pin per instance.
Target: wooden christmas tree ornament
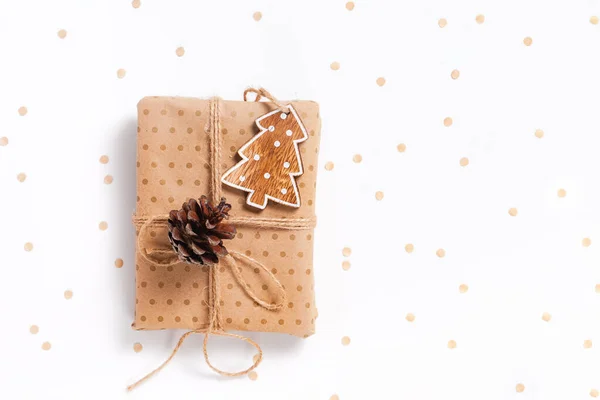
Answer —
(271, 160)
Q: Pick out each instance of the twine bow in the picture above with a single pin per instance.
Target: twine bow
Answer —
(165, 258)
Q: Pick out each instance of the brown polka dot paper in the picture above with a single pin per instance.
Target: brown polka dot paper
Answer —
(173, 162)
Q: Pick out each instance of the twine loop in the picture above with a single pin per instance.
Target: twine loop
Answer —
(262, 92)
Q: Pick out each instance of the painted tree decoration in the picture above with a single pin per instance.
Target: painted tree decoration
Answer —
(271, 161)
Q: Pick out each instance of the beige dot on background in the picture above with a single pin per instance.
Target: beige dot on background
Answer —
(463, 288)
(561, 193)
(594, 393)
(34, 329)
(401, 147)
(442, 22)
(68, 294)
(46, 346)
(379, 195)
(180, 51)
(546, 317)
(409, 248)
(527, 41)
(328, 165)
(464, 162)
(539, 133)
(62, 34)
(520, 388)
(587, 344)
(118, 263)
(121, 73)
(137, 347)
(22, 111)
(104, 159)
(346, 265)
(380, 81)
(252, 375)
(345, 340)
(21, 177)
(440, 253)
(447, 121)
(346, 251)
(350, 6)
(512, 212)
(108, 179)
(451, 344)
(334, 397)
(28, 246)
(597, 288)
(357, 158)
(3, 141)
(136, 3)
(586, 242)
(455, 74)
(335, 65)
(594, 20)
(257, 16)
(103, 225)
(410, 317)
(480, 19)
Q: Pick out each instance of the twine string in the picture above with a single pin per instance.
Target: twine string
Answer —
(262, 92)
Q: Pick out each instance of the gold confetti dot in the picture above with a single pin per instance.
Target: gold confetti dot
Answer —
(594, 20)
(442, 22)
(379, 195)
(137, 347)
(410, 317)
(587, 344)
(334, 397)
(512, 212)
(594, 393)
(401, 147)
(480, 19)
(22, 111)
(597, 288)
(464, 162)
(104, 159)
(21, 177)
(347, 251)
(357, 158)
(103, 225)
(345, 340)
(546, 317)
(46, 346)
(539, 133)
(440, 253)
(335, 65)
(463, 288)
(561, 193)
(121, 73)
(409, 248)
(451, 344)
(62, 34)
(252, 375)
(68, 294)
(350, 6)
(3, 141)
(527, 41)
(455, 74)
(180, 51)
(108, 179)
(257, 16)
(328, 165)
(380, 81)
(118, 263)
(447, 121)
(346, 265)
(520, 388)
(34, 329)
(136, 3)
(28, 246)
(586, 242)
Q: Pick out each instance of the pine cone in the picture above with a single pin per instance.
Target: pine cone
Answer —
(196, 232)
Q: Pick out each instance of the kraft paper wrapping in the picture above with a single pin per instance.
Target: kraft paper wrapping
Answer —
(172, 166)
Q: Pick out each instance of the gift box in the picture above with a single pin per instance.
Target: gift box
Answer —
(184, 144)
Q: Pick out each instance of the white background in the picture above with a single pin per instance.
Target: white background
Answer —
(516, 267)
